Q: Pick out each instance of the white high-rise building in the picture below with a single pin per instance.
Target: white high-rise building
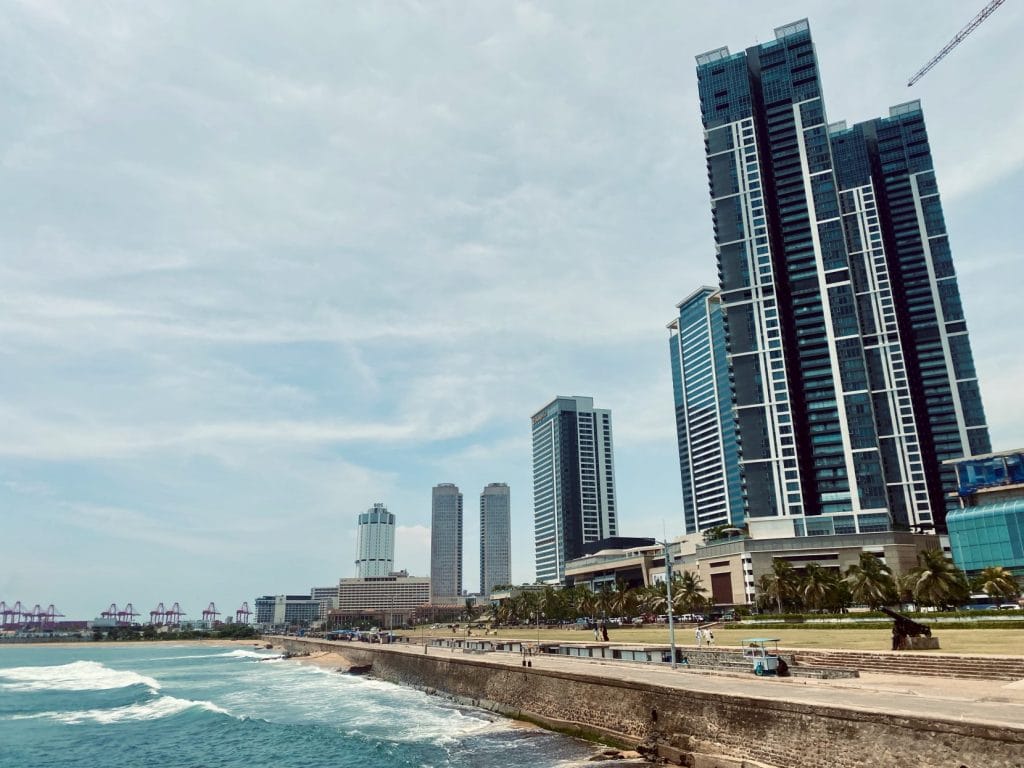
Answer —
(495, 538)
(573, 482)
(446, 543)
(376, 542)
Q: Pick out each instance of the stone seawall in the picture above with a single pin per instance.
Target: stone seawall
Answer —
(694, 724)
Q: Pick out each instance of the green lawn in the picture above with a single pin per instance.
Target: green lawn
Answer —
(995, 641)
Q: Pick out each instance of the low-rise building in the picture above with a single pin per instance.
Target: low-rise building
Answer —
(729, 567)
(286, 610)
(391, 600)
(988, 529)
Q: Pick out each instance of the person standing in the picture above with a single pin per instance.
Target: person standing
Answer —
(699, 634)
(711, 637)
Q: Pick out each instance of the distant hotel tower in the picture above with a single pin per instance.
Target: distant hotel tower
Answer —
(376, 542)
(495, 538)
(851, 367)
(705, 425)
(445, 543)
(573, 482)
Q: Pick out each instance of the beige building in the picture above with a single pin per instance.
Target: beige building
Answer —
(392, 599)
(729, 568)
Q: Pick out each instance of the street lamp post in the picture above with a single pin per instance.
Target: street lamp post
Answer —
(668, 585)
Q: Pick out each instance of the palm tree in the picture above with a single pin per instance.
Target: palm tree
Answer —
(817, 585)
(871, 582)
(654, 598)
(936, 581)
(782, 584)
(687, 592)
(996, 582)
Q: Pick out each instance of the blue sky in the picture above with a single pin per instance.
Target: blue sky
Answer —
(264, 264)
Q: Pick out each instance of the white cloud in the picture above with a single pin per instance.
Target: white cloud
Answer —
(274, 270)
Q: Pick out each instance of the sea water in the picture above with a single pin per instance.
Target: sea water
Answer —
(160, 704)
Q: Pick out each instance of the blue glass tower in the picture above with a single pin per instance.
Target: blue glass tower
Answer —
(573, 482)
(706, 428)
(842, 312)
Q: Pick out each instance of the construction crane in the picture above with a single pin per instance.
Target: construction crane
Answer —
(985, 12)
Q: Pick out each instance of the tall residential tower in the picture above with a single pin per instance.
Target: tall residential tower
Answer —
(495, 538)
(445, 543)
(705, 426)
(376, 542)
(573, 482)
(851, 367)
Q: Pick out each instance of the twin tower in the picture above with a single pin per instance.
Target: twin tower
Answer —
(446, 541)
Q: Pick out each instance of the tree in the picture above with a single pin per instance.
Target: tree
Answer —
(996, 582)
(871, 582)
(470, 608)
(817, 586)
(782, 585)
(687, 592)
(936, 581)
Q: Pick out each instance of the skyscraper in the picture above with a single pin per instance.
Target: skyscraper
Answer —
(851, 366)
(445, 543)
(495, 538)
(573, 482)
(376, 542)
(705, 426)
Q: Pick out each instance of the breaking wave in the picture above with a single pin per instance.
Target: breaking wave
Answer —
(76, 676)
(155, 709)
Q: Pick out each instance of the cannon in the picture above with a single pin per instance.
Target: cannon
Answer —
(904, 628)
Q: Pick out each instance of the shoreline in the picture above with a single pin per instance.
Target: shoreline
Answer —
(210, 643)
(732, 719)
(336, 661)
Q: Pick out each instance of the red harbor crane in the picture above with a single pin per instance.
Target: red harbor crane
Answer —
(158, 615)
(174, 614)
(128, 614)
(242, 614)
(211, 613)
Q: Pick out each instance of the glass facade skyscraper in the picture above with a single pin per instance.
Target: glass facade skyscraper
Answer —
(573, 482)
(445, 543)
(495, 537)
(851, 367)
(705, 425)
(376, 542)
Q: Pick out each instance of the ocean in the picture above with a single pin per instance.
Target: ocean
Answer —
(166, 705)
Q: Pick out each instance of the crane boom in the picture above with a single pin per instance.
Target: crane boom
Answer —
(972, 25)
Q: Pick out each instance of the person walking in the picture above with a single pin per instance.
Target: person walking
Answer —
(710, 637)
(699, 634)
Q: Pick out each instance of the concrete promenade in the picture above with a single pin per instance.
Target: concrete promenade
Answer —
(979, 701)
(706, 718)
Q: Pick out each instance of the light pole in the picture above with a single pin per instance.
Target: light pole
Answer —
(668, 585)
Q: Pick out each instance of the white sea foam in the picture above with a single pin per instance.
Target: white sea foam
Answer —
(154, 709)
(243, 654)
(76, 676)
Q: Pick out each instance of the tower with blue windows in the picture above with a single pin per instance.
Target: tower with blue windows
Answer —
(851, 369)
(705, 426)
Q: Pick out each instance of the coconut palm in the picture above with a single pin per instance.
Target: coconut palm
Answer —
(871, 582)
(996, 582)
(936, 581)
(817, 585)
(687, 592)
(781, 585)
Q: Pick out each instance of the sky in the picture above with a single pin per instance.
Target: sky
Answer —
(264, 264)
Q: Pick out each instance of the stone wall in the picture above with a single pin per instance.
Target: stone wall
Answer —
(754, 731)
